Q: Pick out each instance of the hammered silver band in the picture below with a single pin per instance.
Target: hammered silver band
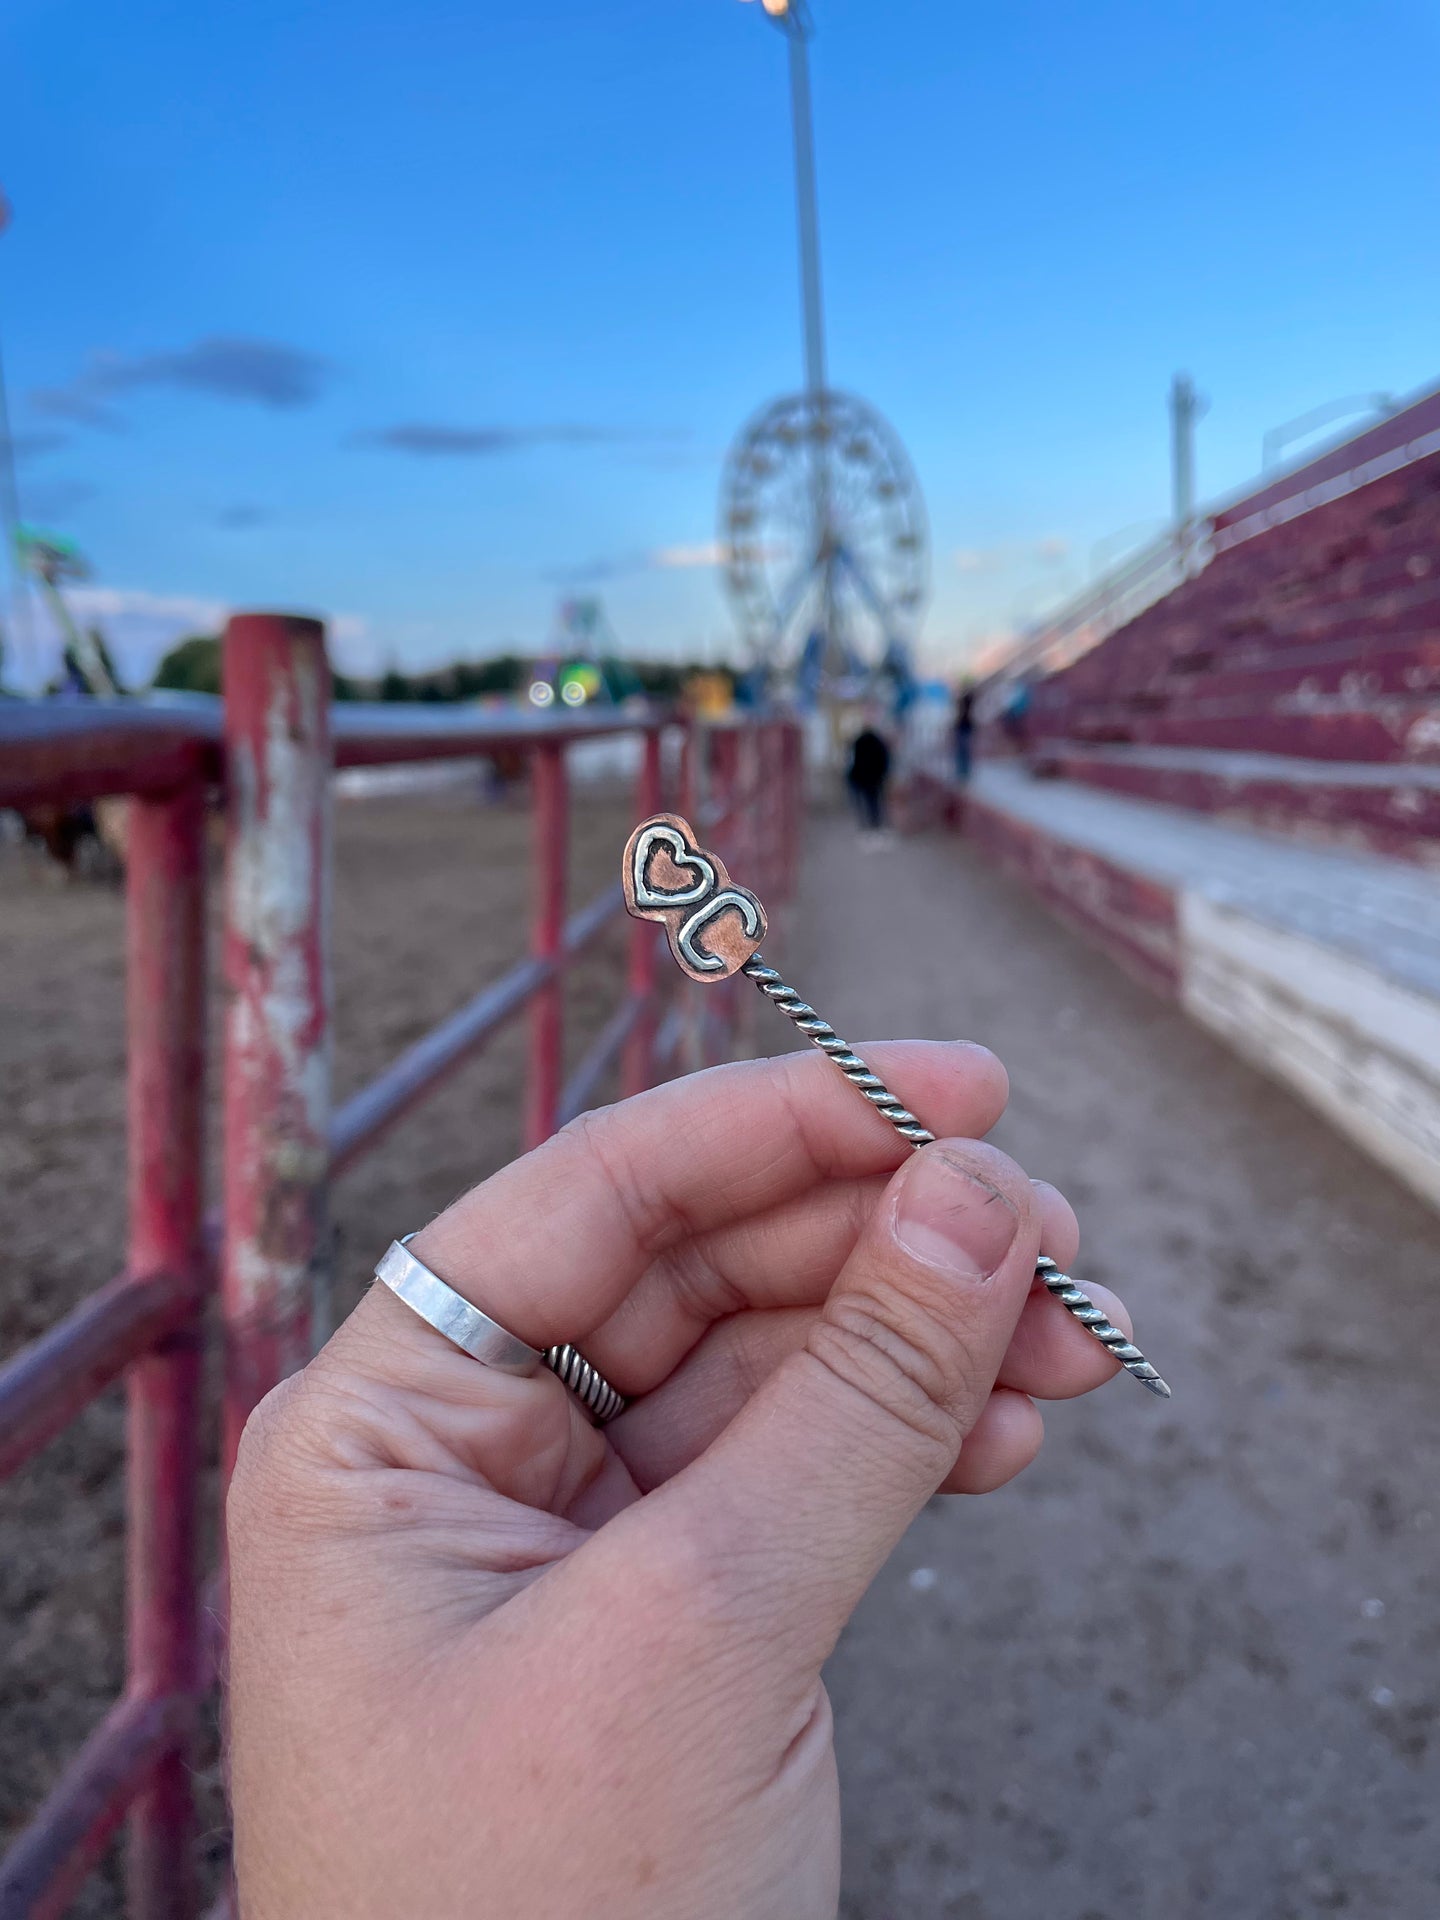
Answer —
(441, 1307)
(484, 1339)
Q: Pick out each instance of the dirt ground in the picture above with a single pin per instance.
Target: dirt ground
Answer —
(1186, 1666)
(1189, 1664)
(430, 905)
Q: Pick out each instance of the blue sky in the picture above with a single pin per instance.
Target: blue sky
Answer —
(424, 316)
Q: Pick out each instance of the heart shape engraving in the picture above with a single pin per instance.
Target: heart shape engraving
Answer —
(663, 835)
(713, 925)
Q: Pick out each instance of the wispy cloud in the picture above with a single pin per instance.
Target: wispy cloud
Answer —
(681, 558)
(250, 372)
(77, 403)
(53, 499)
(1049, 551)
(139, 625)
(349, 626)
(715, 553)
(592, 573)
(706, 553)
(139, 603)
(33, 446)
(430, 439)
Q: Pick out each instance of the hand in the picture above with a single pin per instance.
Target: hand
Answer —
(489, 1661)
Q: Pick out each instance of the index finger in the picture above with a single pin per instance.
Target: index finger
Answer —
(551, 1244)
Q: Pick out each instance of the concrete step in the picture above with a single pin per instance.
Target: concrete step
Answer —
(1322, 967)
(1367, 807)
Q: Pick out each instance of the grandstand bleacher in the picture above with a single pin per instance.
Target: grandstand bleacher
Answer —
(1237, 792)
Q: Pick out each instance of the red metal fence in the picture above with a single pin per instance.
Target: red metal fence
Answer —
(273, 756)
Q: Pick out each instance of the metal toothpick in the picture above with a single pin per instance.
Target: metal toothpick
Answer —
(670, 879)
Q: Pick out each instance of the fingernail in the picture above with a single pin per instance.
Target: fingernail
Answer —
(947, 1217)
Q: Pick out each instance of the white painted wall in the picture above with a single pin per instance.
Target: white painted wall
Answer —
(1358, 1045)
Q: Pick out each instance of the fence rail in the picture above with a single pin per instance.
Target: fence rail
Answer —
(272, 749)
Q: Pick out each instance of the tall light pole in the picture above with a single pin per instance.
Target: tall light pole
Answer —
(799, 545)
(1186, 407)
(20, 621)
(792, 17)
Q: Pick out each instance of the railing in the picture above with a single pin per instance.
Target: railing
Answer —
(1138, 582)
(273, 751)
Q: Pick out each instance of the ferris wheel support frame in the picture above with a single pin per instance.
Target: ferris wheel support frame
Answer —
(866, 587)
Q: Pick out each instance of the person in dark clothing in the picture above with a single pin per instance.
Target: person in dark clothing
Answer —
(869, 770)
(1015, 715)
(964, 732)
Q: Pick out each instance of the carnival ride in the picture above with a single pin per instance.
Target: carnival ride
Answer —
(822, 522)
(572, 668)
(52, 560)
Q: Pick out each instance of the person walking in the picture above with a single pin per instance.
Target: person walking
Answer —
(1015, 715)
(964, 732)
(868, 773)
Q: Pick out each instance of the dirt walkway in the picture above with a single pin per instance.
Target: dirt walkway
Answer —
(1188, 1664)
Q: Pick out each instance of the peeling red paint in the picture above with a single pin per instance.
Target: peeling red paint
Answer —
(165, 1021)
(1132, 918)
(1400, 820)
(277, 1040)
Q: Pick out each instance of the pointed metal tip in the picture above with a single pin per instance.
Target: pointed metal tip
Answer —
(1157, 1386)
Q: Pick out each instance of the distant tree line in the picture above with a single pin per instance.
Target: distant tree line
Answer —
(193, 666)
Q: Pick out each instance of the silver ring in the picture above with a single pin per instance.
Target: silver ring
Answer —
(484, 1339)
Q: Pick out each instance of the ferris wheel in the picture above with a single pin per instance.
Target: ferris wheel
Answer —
(822, 525)
(823, 529)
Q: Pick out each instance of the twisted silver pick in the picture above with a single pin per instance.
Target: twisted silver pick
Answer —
(822, 1035)
(587, 1383)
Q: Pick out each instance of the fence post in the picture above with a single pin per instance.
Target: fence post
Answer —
(793, 803)
(638, 1068)
(550, 862)
(691, 740)
(165, 1034)
(694, 796)
(277, 1033)
(720, 1001)
(767, 797)
(749, 867)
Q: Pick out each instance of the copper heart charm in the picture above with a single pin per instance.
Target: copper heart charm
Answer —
(713, 926)
(664, 843)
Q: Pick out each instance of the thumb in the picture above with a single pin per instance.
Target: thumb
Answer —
(807, 1491)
